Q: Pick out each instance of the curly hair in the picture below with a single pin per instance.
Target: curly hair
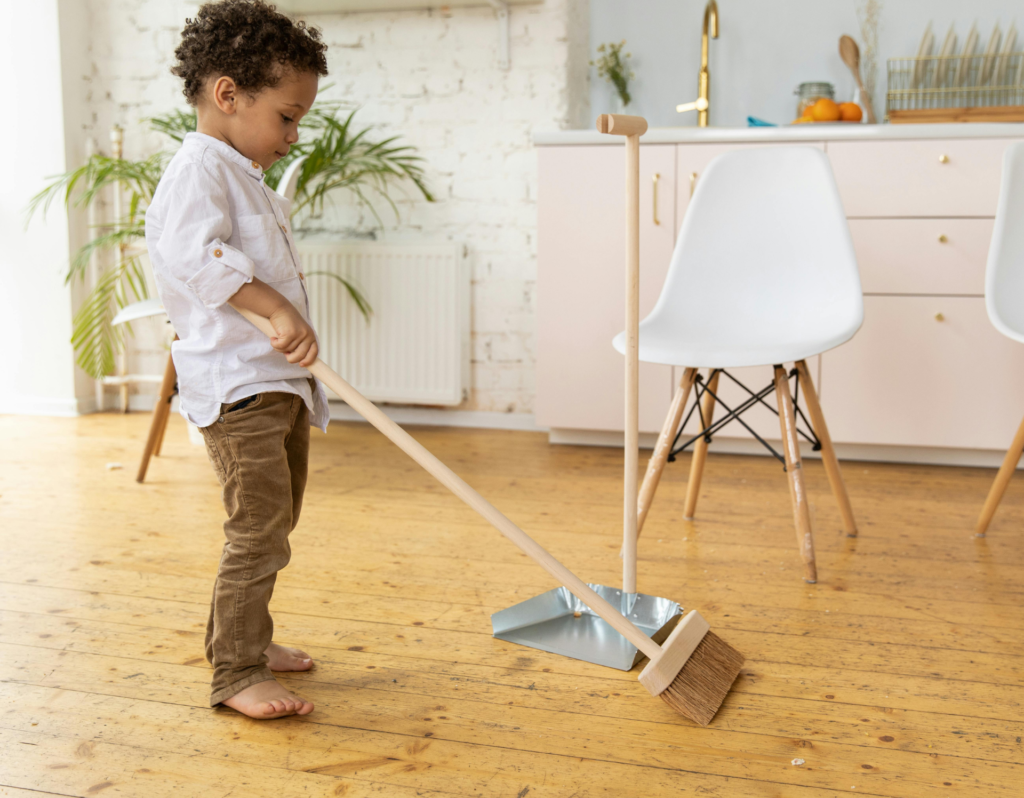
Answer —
(247, 40)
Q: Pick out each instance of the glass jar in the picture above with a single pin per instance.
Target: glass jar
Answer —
(809, 93)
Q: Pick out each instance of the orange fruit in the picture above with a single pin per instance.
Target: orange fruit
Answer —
(850, 112)
(825, 111)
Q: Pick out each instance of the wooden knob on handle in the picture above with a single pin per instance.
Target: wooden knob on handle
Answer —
(621, 125)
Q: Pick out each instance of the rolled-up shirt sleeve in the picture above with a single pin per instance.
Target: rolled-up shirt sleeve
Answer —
(196, 223)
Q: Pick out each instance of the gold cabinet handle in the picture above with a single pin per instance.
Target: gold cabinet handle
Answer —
(939, 317)
(943, 158)
(943, 239)
(693, 182)
(654, 201)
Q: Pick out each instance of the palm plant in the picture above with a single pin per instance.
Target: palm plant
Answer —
(337, 156)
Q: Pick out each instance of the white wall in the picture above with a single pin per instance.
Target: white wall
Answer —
(37, 371)
(764, 50)
(432, 77)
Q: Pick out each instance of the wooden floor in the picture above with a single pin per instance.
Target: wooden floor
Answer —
(898, 674)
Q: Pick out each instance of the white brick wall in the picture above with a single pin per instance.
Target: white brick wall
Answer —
(433, 77)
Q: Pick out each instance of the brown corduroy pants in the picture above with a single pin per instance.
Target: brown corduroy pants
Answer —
(259, 448)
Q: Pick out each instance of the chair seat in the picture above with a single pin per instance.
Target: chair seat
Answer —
(139, 310)
(720, 349)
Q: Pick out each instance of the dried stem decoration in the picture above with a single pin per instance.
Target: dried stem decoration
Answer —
(611, 65)
(868, 14)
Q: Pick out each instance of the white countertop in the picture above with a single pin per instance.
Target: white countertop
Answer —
(806, 132)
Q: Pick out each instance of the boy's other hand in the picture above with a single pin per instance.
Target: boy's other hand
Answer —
(294, 336)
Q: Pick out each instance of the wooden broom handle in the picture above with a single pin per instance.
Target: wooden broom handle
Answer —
(632, 127)
(404, 441)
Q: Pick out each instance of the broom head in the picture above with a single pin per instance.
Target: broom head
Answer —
(694, 671)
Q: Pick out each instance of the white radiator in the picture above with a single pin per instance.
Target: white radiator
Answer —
(415, 347)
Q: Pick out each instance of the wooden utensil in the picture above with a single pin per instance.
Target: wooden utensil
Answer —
(630, 127)
(850, 54)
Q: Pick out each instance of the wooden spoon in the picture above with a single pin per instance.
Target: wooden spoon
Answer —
(850, 54)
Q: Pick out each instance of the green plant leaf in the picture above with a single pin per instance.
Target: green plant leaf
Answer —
(357, 296)
(175, 124)
(126, 233)
(93, 335)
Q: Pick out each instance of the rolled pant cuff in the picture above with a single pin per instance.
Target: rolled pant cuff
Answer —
(235, 688)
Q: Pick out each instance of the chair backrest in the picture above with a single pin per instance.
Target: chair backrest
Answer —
(765, 250)
(289, 181)
(1004, 276)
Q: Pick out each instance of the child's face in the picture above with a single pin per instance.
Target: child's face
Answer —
(263, 127)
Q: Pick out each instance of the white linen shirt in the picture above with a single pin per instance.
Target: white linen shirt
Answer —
(213, 225)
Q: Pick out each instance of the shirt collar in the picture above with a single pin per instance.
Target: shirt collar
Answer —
(227, 151)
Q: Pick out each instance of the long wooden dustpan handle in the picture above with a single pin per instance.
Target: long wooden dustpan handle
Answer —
(404, 441)
(630, 127)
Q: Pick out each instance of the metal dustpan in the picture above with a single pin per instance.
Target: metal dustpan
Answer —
(557, 621)
(560, 623)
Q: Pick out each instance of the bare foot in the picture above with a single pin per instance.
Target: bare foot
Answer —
(283, 658)
(266, 700)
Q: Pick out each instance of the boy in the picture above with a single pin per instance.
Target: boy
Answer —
(218, 236)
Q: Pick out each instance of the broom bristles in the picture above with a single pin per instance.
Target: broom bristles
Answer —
(704, 681)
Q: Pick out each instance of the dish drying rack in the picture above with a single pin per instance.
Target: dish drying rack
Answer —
(956, 88)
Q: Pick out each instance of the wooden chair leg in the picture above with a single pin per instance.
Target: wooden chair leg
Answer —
(995, 494)
(700, 451)
(794, 470)
(828, 453)
(663, 447)
(163, 429)
(159, 420)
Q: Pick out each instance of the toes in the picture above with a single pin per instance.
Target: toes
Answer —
(306, 708)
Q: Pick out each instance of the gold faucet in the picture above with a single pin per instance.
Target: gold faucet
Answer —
(700, 105)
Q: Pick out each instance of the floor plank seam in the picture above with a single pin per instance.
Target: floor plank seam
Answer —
(443, 696)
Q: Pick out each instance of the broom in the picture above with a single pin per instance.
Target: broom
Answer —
(692, 671)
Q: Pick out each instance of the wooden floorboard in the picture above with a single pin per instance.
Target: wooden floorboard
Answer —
(898, 674)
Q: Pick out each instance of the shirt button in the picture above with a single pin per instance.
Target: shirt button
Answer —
(255, 165)
(302, 276)
(285, 229)
(217, 253)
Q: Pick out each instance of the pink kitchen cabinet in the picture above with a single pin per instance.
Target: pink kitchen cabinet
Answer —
(920, 212)
(924, 371)
(922, 256)
(929, 177)
(581, 282)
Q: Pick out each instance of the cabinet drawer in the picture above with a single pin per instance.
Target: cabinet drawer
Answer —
(922, 256)
(928, 177)
(908, 379)
(580, 283)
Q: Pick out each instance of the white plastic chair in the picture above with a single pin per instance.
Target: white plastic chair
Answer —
(1004, 299)
(763, 273)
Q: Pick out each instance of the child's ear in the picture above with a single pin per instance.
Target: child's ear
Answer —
(225, 94)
